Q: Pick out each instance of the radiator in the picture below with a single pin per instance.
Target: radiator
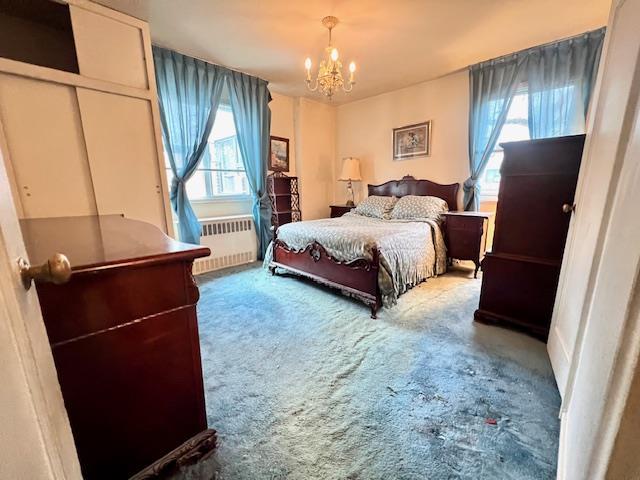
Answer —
(232, 241)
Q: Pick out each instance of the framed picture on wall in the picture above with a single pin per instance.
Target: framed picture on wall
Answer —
(279, 154)
(412, 141)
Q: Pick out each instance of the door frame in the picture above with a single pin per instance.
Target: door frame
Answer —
(52, 448)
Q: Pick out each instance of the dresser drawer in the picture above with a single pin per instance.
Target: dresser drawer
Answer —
(101, 300)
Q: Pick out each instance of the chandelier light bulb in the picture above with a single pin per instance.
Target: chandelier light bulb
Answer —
(334, 54)
(352, 69)
(307, 63)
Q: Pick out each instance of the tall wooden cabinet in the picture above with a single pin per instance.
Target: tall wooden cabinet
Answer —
(79, 123)
(535, 202)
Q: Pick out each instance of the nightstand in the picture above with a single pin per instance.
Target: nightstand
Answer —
(339, 210)
(465, 235)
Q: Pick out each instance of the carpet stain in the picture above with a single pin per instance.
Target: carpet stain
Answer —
(302, 384)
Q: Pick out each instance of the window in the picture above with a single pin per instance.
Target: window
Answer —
(221, 172)
(515, 128)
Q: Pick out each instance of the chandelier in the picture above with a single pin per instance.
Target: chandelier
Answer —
(329, 79)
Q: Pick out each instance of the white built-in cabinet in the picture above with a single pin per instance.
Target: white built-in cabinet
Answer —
(87, 143)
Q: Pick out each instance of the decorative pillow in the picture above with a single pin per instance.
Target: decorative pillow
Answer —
(413, 206)
(375, 206)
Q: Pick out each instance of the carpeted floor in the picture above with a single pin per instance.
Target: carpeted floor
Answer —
(302, 384)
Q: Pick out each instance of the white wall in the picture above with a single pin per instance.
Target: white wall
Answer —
(282, 124)
(315, 132)
(364, 130)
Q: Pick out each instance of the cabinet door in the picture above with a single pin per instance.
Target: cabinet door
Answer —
(108, 49)
(123, 157)
(43, 132)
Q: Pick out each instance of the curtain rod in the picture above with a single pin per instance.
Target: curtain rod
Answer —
(542, 45)
(208, 61)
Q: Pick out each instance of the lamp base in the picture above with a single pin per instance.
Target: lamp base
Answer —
(350, 203)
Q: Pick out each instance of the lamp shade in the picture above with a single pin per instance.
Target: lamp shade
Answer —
(350, 169)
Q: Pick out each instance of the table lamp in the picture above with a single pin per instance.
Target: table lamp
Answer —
(350, 173)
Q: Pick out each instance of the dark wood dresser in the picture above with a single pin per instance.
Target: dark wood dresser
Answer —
(465, 234)
(535, 201)
(124, 336)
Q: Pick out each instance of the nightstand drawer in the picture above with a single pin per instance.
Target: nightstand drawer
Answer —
(472, 224)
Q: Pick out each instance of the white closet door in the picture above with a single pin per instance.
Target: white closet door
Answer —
(43, 132)
(122, 155)
(108, 49)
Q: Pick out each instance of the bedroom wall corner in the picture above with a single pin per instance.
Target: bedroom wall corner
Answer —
(315, 133)
(282, 124)
(364, 130)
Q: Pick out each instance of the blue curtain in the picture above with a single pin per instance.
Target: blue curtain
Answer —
(250, 99)
(189, 92)
(560, 80)
(492, 86)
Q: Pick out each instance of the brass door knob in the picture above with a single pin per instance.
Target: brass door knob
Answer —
(567, 208)
(57, 270)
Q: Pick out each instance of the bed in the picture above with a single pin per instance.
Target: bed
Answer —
(370, 259)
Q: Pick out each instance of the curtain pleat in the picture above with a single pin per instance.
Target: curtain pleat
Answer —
(492, 86)
(250, 99)
(560, 80)
(189, 92)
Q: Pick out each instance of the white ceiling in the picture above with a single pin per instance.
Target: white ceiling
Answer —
(394, 43)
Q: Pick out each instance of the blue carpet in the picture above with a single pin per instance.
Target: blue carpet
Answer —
(302, 384)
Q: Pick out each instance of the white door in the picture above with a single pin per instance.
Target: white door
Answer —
(607, 134)
(121, 146)
(610, 343)
(35, 436)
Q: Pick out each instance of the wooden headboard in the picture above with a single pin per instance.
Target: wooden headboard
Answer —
(410, 186)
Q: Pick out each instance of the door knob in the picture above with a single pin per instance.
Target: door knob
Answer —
(568, 208)
(56, 270)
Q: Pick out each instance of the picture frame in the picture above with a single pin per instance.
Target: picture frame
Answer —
(412, 141)
(278, 154)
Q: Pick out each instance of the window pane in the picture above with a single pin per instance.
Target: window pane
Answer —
(225, 154)
(221, 171)
(490, 179)
(196, 186)
(229, 183)
(515, 128)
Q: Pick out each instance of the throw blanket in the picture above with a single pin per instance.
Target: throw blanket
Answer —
(410, 250)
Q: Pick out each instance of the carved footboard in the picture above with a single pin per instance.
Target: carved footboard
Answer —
(359, 277)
